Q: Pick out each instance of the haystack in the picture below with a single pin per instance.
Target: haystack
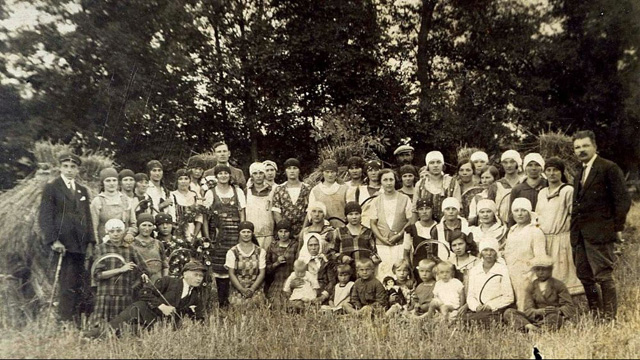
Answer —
(549, 144)
(26, 266)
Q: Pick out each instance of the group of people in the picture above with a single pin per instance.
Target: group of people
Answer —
(473, 246)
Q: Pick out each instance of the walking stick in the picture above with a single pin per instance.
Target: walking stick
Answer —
(55, 286)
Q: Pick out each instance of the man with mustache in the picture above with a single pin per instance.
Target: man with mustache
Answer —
(600, 206)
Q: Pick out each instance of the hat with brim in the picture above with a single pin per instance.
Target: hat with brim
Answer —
(69, 157)
(403, 149)
(194, 266)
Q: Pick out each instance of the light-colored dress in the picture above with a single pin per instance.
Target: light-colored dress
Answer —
(554, 211)
(524, 242)
(334, 198)
(392, 215)
(105, 208)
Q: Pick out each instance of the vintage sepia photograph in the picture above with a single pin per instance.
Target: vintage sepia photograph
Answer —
(320, 179)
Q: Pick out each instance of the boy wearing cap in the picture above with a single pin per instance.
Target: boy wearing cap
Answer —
(548, 302)
(65, 220)
(531, 186)
(258, 209)
(169, 297)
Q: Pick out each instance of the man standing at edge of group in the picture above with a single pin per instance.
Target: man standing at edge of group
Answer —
(222, 155)
(65, 219)
(600, 206)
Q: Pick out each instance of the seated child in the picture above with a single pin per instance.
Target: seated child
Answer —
(405, 285)
(367, 294)
(448, 293)
(393, 290)
(423, 294)
(342, 290)
(307, 292)
(547, 302)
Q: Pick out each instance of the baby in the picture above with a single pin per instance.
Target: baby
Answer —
(448, 293)
(304, 294)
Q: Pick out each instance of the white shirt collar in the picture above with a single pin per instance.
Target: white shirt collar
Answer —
(590, 162)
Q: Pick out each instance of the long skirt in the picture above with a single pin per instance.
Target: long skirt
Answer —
(559, 248)
(389, 255)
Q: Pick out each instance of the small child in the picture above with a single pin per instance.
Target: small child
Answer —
(342, 290)
(113, 272)
(151, 250)
(547, 302)
(423, 294)
(448, 293)
(301, 296)
(393, 290)
(367, 294)
(402, 270)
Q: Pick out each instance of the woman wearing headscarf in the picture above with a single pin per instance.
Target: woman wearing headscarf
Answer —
(408, 177)
(554, 211)
(435, 187)
(318, 227)
(489, 225)
(500, 190)
(524, 242)
(532, 184)
(112, 204)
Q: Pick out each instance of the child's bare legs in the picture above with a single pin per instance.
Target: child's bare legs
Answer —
(349, 309)
(433, 306)
(445, 310)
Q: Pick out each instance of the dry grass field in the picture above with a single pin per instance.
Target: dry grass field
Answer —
(270, 333)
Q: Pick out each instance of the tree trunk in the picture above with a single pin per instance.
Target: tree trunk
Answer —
(424, 57)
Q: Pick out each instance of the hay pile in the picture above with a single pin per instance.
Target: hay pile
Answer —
(26, 266)
(549, 144)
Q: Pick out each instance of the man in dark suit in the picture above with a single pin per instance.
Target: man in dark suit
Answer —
(170, 298)
(600, 206)
(65, 219)
(222, 158)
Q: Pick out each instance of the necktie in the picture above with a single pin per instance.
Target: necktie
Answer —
(584, 174)
(72, 186)
(188, 292)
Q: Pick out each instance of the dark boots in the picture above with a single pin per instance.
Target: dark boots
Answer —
(609, 300)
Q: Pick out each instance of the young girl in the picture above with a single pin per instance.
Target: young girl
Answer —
(423, 294)
(408, 177)
(342, 290)
(307, 290)
(159, 194)
(436, 186)
(178, 251)
(465, 257)
(402, 271)
(150, 249)
(355, 172)
(246, 263)
(489, 224)
(114, 271)
(112, 204)
(448, 293)
(142, 201)
(418, 246)
(354, 241)
(524, 242)
(280, 257)
(451, 226)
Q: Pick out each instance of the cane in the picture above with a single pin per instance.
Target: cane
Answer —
(55, 286)
(163, 298)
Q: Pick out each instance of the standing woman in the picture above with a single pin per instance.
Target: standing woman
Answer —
(291, 199)
(554, 211)
(489, 224)
(355, 172)
(500, 191)
(195, 168)
(227, 203)
(468, 187)
(127, 182)
(371, 188)
(246, 263)
(112, 204)
(332, 194)
(157, 191)
(185, 200)
(436, 186)
(524, 242)
(391, 212)
(408, 176)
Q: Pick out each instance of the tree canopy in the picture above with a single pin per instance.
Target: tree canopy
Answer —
(164, 79)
